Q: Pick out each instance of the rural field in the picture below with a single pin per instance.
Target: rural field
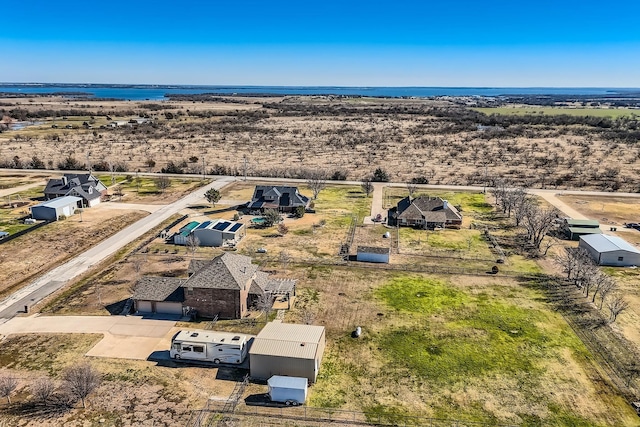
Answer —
(435, 141)
(484, 348)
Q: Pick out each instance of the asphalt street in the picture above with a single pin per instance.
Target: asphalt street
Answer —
(61, 275)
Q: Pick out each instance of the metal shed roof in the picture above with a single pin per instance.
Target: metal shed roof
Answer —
(297, 350)
(373, 250)
(606, 243)
(59, 202)
(287, 382)
(291, 332)
(582, 222)
(585, 230)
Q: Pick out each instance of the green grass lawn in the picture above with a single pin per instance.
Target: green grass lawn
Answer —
(485, 352)
(596, 112)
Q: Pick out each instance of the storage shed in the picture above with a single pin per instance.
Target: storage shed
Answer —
(219, 232)
(180, 238)
(51, 210)
(574, 228)
(373, 254)
(287, 349)
(610, 250)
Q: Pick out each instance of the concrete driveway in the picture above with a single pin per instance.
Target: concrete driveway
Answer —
(125, 337)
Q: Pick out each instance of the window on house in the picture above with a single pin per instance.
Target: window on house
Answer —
(620, 258)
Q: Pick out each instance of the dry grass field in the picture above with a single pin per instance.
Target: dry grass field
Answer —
(431, 140)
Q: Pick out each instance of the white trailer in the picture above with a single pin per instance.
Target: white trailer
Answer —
(209, 346)
(287, 390)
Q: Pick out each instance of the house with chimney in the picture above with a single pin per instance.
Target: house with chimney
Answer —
(224, 287)
(86, 186)
(424, 212)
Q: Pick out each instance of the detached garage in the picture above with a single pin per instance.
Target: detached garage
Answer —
(51, 210)
(610, 250)
(162, 295)
(287, 349)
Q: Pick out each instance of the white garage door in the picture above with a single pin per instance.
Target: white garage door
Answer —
(169, 307)
(144, 306)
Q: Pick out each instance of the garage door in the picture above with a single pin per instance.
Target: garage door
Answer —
(169, 308)
(144, 306)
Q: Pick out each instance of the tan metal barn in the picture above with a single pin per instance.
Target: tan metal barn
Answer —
(287, 349)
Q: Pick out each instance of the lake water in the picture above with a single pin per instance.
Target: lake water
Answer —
(150, 92)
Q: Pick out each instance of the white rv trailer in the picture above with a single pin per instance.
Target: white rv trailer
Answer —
(210, 346)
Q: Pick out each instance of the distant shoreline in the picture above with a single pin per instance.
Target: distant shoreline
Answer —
(136, 92)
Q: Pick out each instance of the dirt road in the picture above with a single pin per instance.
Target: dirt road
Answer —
(58, 277)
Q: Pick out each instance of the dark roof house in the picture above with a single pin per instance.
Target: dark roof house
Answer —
(425, 212)
(225, 286)
(85, 186)
(282, 198)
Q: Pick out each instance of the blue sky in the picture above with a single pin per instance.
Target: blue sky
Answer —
(350, 43)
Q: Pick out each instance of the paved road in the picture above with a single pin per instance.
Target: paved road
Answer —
(8, 191)
(59, 276)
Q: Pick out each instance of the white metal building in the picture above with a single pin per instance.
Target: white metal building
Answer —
(287, 349)
(372, 254)
(51, 210)
(610, 250)
(219, 232)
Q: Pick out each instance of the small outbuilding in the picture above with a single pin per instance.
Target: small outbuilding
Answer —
(287, 349)
(180, 238)
(290, 390)
(574, 228)
(610, 250)
(51, 210)
(373, 254)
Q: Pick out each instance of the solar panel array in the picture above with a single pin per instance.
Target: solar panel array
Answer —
(235, 227)
(204, 224)
(222, 225)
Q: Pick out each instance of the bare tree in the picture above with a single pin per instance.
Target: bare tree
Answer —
(285, 259)
(43, 389)
(367, 186)
(317, 182)
(601, 280)
(162, 183)
(192, 243)
(8, 384)
(519, 203)
(617, 305)
(571, 261)
(548, 244)
(606, 288)
(282, 229)
(137, 265)
(308, 316)
(264, 303)
(538, 222)
(412, 188)
(81, 379)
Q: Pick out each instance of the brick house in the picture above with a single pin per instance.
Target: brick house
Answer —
(225, 286)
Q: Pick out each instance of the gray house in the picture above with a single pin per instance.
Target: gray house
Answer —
(52, 210)
(424, 212)
(281, 198)
(610, 250)
(85, 186)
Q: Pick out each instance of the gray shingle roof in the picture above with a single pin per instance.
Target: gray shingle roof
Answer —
(373, 250)
(159, 289)
(283, 196)
(76, 184)
(431, 209)
(227, 271)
